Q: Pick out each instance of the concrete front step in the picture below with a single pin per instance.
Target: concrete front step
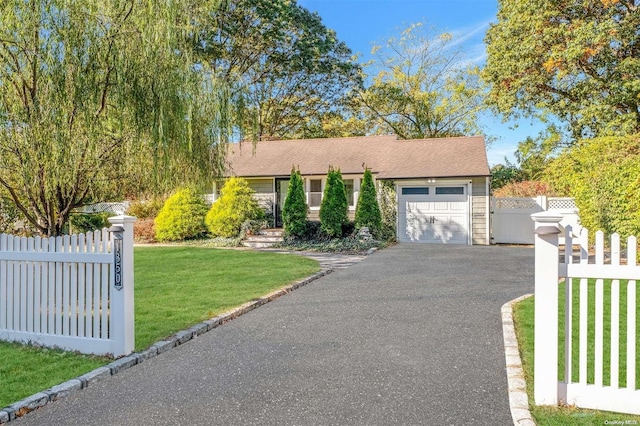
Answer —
(259, 244)
(266, 238)
(272, 232)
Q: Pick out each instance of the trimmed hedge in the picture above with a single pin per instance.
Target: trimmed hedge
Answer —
(181, 217)
(603, 175)
(235, 206)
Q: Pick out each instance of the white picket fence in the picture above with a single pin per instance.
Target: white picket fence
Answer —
(602, 391)
(72, 292)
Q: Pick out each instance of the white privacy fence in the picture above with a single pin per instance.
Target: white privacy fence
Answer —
(73, 292)
(511, 217)
(601, 297)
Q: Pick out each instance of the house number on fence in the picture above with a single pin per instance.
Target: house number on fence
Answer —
(117, 255)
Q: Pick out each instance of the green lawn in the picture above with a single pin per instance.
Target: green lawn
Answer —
(524, 320)
(176, 287)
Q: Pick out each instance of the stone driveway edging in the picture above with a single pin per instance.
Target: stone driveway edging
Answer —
(40, 399)
(518, 399)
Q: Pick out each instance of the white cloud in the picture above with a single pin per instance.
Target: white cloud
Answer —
(470, 40)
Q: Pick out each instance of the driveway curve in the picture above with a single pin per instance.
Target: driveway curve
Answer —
(411, 335)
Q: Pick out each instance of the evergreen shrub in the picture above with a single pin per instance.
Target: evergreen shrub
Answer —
(294, 212)
(368, 209)
(334, 207)
(235, 206)
(181, 217)
(388, 210)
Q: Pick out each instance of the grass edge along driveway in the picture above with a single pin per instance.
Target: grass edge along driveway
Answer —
(175, 288)
(523, 316)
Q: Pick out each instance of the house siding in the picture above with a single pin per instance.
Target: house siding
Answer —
(264, 193)
(479, 198)
(261, 186)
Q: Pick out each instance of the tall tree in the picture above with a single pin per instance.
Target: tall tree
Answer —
(422, 87)
(293, 68)
(576, 60)
(98, 98)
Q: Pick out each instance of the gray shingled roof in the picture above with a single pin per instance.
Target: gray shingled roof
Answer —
(386, 156)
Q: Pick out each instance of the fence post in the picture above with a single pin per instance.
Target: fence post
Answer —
(545, 383)
(122, 303)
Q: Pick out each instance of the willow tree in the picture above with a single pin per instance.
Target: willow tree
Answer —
(98, 99)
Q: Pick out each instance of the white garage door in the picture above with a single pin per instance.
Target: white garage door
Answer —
(433, 214)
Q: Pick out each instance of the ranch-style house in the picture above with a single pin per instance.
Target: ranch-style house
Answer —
(442, 185)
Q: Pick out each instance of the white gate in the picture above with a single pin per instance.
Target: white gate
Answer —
(511, 217)
(591, 289)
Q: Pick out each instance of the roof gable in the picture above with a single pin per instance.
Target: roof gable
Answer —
(386, 156)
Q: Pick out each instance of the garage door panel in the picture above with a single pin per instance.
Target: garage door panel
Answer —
(431, 218)
(457, 206)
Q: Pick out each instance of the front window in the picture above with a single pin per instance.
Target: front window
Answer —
(315, 192)
(348, 186)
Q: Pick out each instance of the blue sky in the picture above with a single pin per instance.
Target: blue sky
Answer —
(361, 23)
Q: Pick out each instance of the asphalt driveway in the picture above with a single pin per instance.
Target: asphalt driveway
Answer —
(411, 335)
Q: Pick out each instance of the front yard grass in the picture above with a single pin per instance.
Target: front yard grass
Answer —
(176, 287)
(524, 323)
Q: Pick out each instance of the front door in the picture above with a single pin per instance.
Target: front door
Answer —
(282, 187)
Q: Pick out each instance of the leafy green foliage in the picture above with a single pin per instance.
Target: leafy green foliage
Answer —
(294, 212)
(83, 223)
(602, 175)
(235, 206)
(577, 61)
(292, 68)
(388, 209)
(525, 188)
(9, 214)
(181, 217)
(533, 154)
(502, 175)
(102, 100)
(368, 210)
(347, 245)
(146, 209)
(421, 89)
(334, 206)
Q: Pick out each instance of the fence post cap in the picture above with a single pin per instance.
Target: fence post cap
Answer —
(122, 219)
(547, 217)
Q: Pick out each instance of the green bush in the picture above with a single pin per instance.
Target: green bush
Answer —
(368, 210)
(388, 210)
(146, 209)
(235, 206)
(294, 212)
(334, 207)
(181, 217)
(9, 214)
(82, 223)
(602, 175)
